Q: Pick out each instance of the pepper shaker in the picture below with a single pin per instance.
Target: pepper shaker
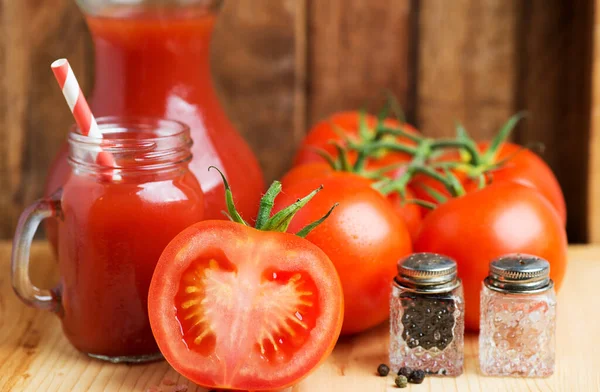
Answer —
(427, 315)
(518, 318)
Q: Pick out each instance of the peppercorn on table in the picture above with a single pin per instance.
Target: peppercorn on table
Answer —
(35, 356)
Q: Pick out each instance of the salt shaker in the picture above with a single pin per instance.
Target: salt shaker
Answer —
(427, 315)
(518, 318)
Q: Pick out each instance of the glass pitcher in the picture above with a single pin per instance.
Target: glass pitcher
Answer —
(152, 59)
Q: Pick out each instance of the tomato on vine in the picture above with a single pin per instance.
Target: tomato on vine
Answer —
(493, 162)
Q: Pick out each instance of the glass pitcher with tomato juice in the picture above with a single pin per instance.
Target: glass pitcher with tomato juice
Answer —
(152, 59)
(113, 224)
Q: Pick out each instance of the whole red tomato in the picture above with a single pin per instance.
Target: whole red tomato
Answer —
(523, 166)
(502, 218)
(320, 136)
(410, 213)
(233, 307)
(363, 237)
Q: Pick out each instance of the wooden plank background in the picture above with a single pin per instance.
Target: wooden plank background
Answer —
(282, 65)
(594, 168)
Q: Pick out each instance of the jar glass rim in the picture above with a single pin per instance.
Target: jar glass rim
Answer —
(131, 145)
(164, 129)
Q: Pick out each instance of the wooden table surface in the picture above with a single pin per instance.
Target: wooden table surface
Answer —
(35, 356)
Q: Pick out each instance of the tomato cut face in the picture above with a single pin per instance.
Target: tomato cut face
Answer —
(234, 307)
(284, 304)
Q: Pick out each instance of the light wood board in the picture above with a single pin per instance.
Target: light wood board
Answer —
(35, 356)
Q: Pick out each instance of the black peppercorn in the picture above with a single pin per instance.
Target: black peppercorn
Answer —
(383, 370)
(401, 381)
(430, 323)
(416, 377)
(405, 371)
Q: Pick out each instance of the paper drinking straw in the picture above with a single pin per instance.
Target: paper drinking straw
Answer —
(80, 109)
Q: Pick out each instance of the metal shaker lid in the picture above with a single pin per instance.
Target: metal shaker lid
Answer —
(519, 273)
(427, 272)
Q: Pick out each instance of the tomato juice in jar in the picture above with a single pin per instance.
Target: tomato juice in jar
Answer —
(152, 59)
(113, 224)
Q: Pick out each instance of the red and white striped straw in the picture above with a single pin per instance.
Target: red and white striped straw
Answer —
(79, 107)
(75, 99)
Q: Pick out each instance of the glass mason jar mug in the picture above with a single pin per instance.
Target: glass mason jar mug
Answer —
(113, 224)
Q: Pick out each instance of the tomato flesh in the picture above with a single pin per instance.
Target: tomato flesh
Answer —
(251, 310)
(284, 303)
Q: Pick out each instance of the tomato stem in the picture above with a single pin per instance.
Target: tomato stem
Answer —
(369, 148)
(449, 180)
(395, 106)
(380, 173)
(437, 196)
(281, 220)
(342, 156)
(266, 204)
(467, 145)
(331, 161)
(384, 130)
(233, 214)
(502, 136)
(310, 227)
(422, 203)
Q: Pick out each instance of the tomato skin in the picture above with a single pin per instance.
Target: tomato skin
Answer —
(527, 168)
(410, 213)
(320, 135)
(524, 167)
(311, 171)
(250, 250)
(363, 237)
(500, 219)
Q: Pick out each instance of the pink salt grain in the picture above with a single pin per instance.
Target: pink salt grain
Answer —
(180, 388)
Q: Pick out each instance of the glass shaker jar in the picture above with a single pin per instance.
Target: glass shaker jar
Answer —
(427, 315)
(518, 318)
(112, 230)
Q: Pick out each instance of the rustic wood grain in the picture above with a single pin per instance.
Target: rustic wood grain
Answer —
(35, 356)
(33, 117)
(466, 66)
(254, 64)
(554, 88)
(356, 50)
(594, 168)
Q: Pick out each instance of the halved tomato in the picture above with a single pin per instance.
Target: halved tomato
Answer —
(233, 307)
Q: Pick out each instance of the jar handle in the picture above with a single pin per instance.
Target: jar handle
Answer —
(28, 223)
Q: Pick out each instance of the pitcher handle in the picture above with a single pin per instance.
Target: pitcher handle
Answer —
(28, 224)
